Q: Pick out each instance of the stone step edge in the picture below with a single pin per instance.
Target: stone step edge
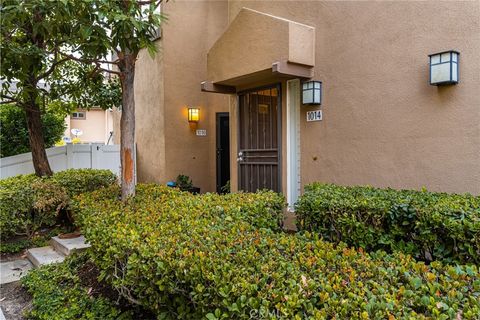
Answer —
(59, 246)
(31, 256)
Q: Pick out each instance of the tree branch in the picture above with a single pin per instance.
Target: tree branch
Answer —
(145, 2)
(97, 68)
(142, 3)
(52, 68)
(10, 99)
(72, 57)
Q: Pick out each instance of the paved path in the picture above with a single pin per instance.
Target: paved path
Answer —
(12, 271)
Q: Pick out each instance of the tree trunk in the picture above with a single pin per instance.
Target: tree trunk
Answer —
(37, 143)
(127, 126)
(35, 134)
(32, 109)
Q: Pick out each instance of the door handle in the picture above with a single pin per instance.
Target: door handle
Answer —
(240, 157)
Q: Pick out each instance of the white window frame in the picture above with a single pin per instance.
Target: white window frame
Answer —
(76, 115)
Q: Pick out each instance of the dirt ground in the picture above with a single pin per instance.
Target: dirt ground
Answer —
(14, 300)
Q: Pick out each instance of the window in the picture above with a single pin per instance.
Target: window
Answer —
(79, 115)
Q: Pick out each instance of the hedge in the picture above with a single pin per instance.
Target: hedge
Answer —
(28, 202)
(429, 226)
(58, 292)
(214, 257)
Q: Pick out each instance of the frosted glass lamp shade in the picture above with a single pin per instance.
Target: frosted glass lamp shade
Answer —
(312, 92)
(444, 68)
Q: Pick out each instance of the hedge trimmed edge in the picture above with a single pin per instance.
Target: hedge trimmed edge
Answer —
(28, 202)
(429, 226)
(224, 257)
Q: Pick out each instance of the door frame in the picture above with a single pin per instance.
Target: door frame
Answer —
(218, 116)
(277, 85)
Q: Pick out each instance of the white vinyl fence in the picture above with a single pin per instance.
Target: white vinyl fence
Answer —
(70, 156)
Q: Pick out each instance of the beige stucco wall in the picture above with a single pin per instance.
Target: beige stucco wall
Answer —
(95, 126)
(150, 118)
(167, 144)
(384, 124)
(185, 50)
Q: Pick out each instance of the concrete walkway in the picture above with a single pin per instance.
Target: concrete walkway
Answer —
(2, 317)
(12, 271)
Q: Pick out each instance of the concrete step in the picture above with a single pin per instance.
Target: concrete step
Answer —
(44, 255)
(67, 246)
(12, 271)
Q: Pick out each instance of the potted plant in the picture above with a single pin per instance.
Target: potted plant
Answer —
(184, 183)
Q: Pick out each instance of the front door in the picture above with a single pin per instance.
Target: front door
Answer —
(223, 152)
(259, 139)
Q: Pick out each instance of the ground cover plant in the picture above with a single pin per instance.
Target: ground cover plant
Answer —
(28, 202)
(225, 257)
(40, 239)
(61, 291)
(429, 226)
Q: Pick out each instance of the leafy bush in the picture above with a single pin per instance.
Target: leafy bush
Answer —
(183, 182)
(38, 240)
(223, 257)
(14, 134)
(77, 181)
(430, 226)
(27, 202)
(58, 293)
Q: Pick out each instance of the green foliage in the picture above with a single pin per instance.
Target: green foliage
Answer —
(132, 26)
(58, 293)
(430, 226)
(28, 202)
(226, 187)
(39, 240)
(38, 39)
(225, 257)
(183, 182)
(77, 181)
(14, 134)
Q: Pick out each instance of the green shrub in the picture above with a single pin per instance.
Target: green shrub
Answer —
(223, 257)
(42, 239)
(58, 293)
(14, 134)
(430, 226)
(27, 202)
(77, 181)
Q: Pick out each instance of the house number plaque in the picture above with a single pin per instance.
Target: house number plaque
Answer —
(201, 132)
(315, 115)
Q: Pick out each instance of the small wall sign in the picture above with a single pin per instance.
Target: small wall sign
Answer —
(315, 115)
(201, 132)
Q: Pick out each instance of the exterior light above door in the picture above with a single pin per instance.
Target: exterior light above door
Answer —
(193, 115)
(444, 68)
(312, 92)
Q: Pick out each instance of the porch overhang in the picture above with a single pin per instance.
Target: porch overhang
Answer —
(259, 47)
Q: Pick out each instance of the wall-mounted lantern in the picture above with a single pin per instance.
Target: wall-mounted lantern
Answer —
(312, 92)
(444, 68)
(193, 114)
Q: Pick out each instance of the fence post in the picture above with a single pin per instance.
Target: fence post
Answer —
(69, 155)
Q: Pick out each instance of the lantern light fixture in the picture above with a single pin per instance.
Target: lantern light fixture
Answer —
(312, 92)
(444, 68)
(193, 115)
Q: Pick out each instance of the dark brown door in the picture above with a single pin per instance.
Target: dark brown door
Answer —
(223, 151)
(259, 139)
